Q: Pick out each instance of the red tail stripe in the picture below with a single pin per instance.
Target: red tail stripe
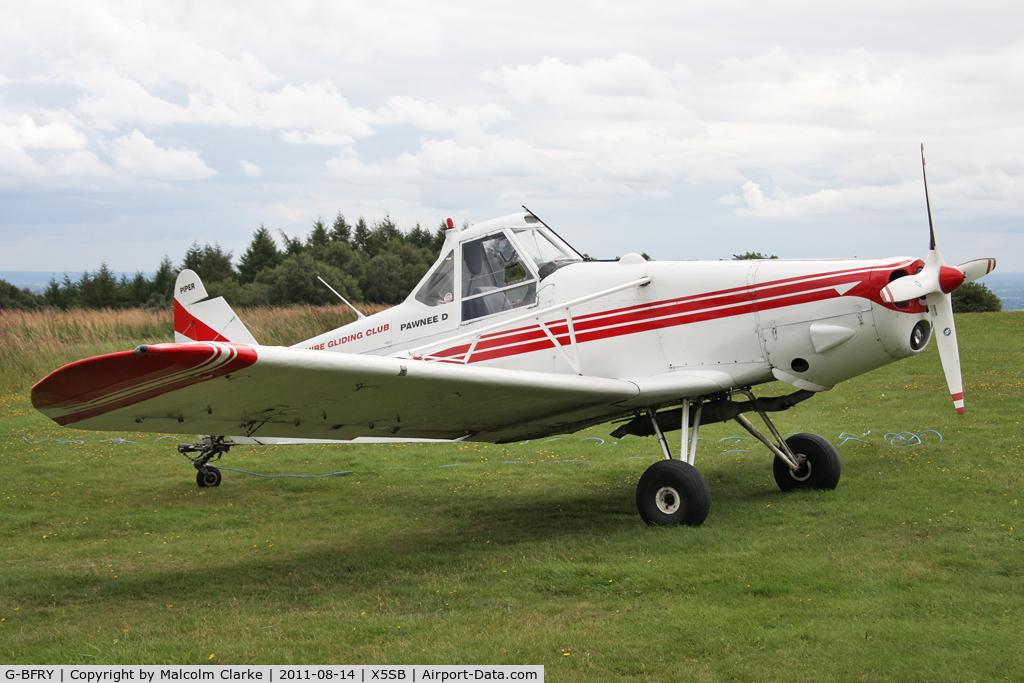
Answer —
(192, 327)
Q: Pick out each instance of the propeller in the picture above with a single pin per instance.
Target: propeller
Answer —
(936, 282)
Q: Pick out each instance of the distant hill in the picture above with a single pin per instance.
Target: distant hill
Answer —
(36, 280)
(1009, 287)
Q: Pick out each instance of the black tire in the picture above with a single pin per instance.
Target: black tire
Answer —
(208, 478)
(821, 467)
(673, 492)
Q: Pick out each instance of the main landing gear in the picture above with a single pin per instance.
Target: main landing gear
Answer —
(207, 475)
(673, 492)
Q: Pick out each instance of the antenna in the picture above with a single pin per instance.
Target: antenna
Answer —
(357, 312)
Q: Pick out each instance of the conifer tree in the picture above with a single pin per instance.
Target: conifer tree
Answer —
(163, 280)
(261, 253)
(361, 234)
(210, 263)
(292, 245)
(318, 236)
(341, 231)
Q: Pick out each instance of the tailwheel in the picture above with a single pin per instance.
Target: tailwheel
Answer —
(208, 477)
(210, 447)
(818, 460)
(673, 492)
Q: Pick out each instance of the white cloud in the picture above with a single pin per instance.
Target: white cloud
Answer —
(704, 110)
(446, 160)
(27, 135)
(140, 156)
(349, 165)
(830, 201)
(626, 87)
(113, 99)
(81, 164)
(878, 169)
(16, 165)
(429, 116)
(494, 157)
(316, 137)
(250, 169)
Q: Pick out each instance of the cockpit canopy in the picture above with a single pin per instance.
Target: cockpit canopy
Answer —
(494, 266)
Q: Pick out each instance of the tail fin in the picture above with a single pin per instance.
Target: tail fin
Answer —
(199, 320)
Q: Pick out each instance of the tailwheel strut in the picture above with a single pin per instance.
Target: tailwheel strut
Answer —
(207, 476)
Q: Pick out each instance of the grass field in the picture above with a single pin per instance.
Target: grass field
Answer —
(533, 553)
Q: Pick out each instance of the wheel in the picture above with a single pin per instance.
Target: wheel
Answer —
(673, 492)
(820, 468)
(208, 478)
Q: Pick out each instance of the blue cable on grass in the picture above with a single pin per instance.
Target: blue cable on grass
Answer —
(283, 476)
(845, 436)
(909, 438)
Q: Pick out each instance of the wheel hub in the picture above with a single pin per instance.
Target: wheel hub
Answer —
(667, 500)
(803, 472)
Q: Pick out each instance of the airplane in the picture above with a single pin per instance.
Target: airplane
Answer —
(514, 335)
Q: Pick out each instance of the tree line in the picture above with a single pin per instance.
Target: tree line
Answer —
(373, 262)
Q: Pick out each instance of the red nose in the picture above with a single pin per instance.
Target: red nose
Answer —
(950, 278)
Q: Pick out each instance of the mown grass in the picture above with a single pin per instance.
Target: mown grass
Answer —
(533, 553)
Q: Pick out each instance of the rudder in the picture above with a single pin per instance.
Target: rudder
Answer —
(197, 319)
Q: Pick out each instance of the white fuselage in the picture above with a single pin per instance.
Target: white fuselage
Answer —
(812, 323)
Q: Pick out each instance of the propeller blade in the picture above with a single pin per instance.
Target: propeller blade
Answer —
(972, 270)
(939, 280)
(940, 305)
(905, 289)
(921, 284)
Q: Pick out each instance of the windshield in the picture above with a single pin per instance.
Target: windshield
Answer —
(544, 248)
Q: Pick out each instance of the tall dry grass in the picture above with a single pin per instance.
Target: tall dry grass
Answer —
(284, 326)
(34, 343)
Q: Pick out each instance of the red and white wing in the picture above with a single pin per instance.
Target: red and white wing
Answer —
(237, 389)
(240, 390)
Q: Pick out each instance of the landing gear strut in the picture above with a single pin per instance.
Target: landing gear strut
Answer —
(673, 492)
(211, 446)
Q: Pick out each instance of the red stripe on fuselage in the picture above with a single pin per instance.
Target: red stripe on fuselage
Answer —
(663, 314)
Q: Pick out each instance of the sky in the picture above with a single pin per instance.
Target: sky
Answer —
(683, 129)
